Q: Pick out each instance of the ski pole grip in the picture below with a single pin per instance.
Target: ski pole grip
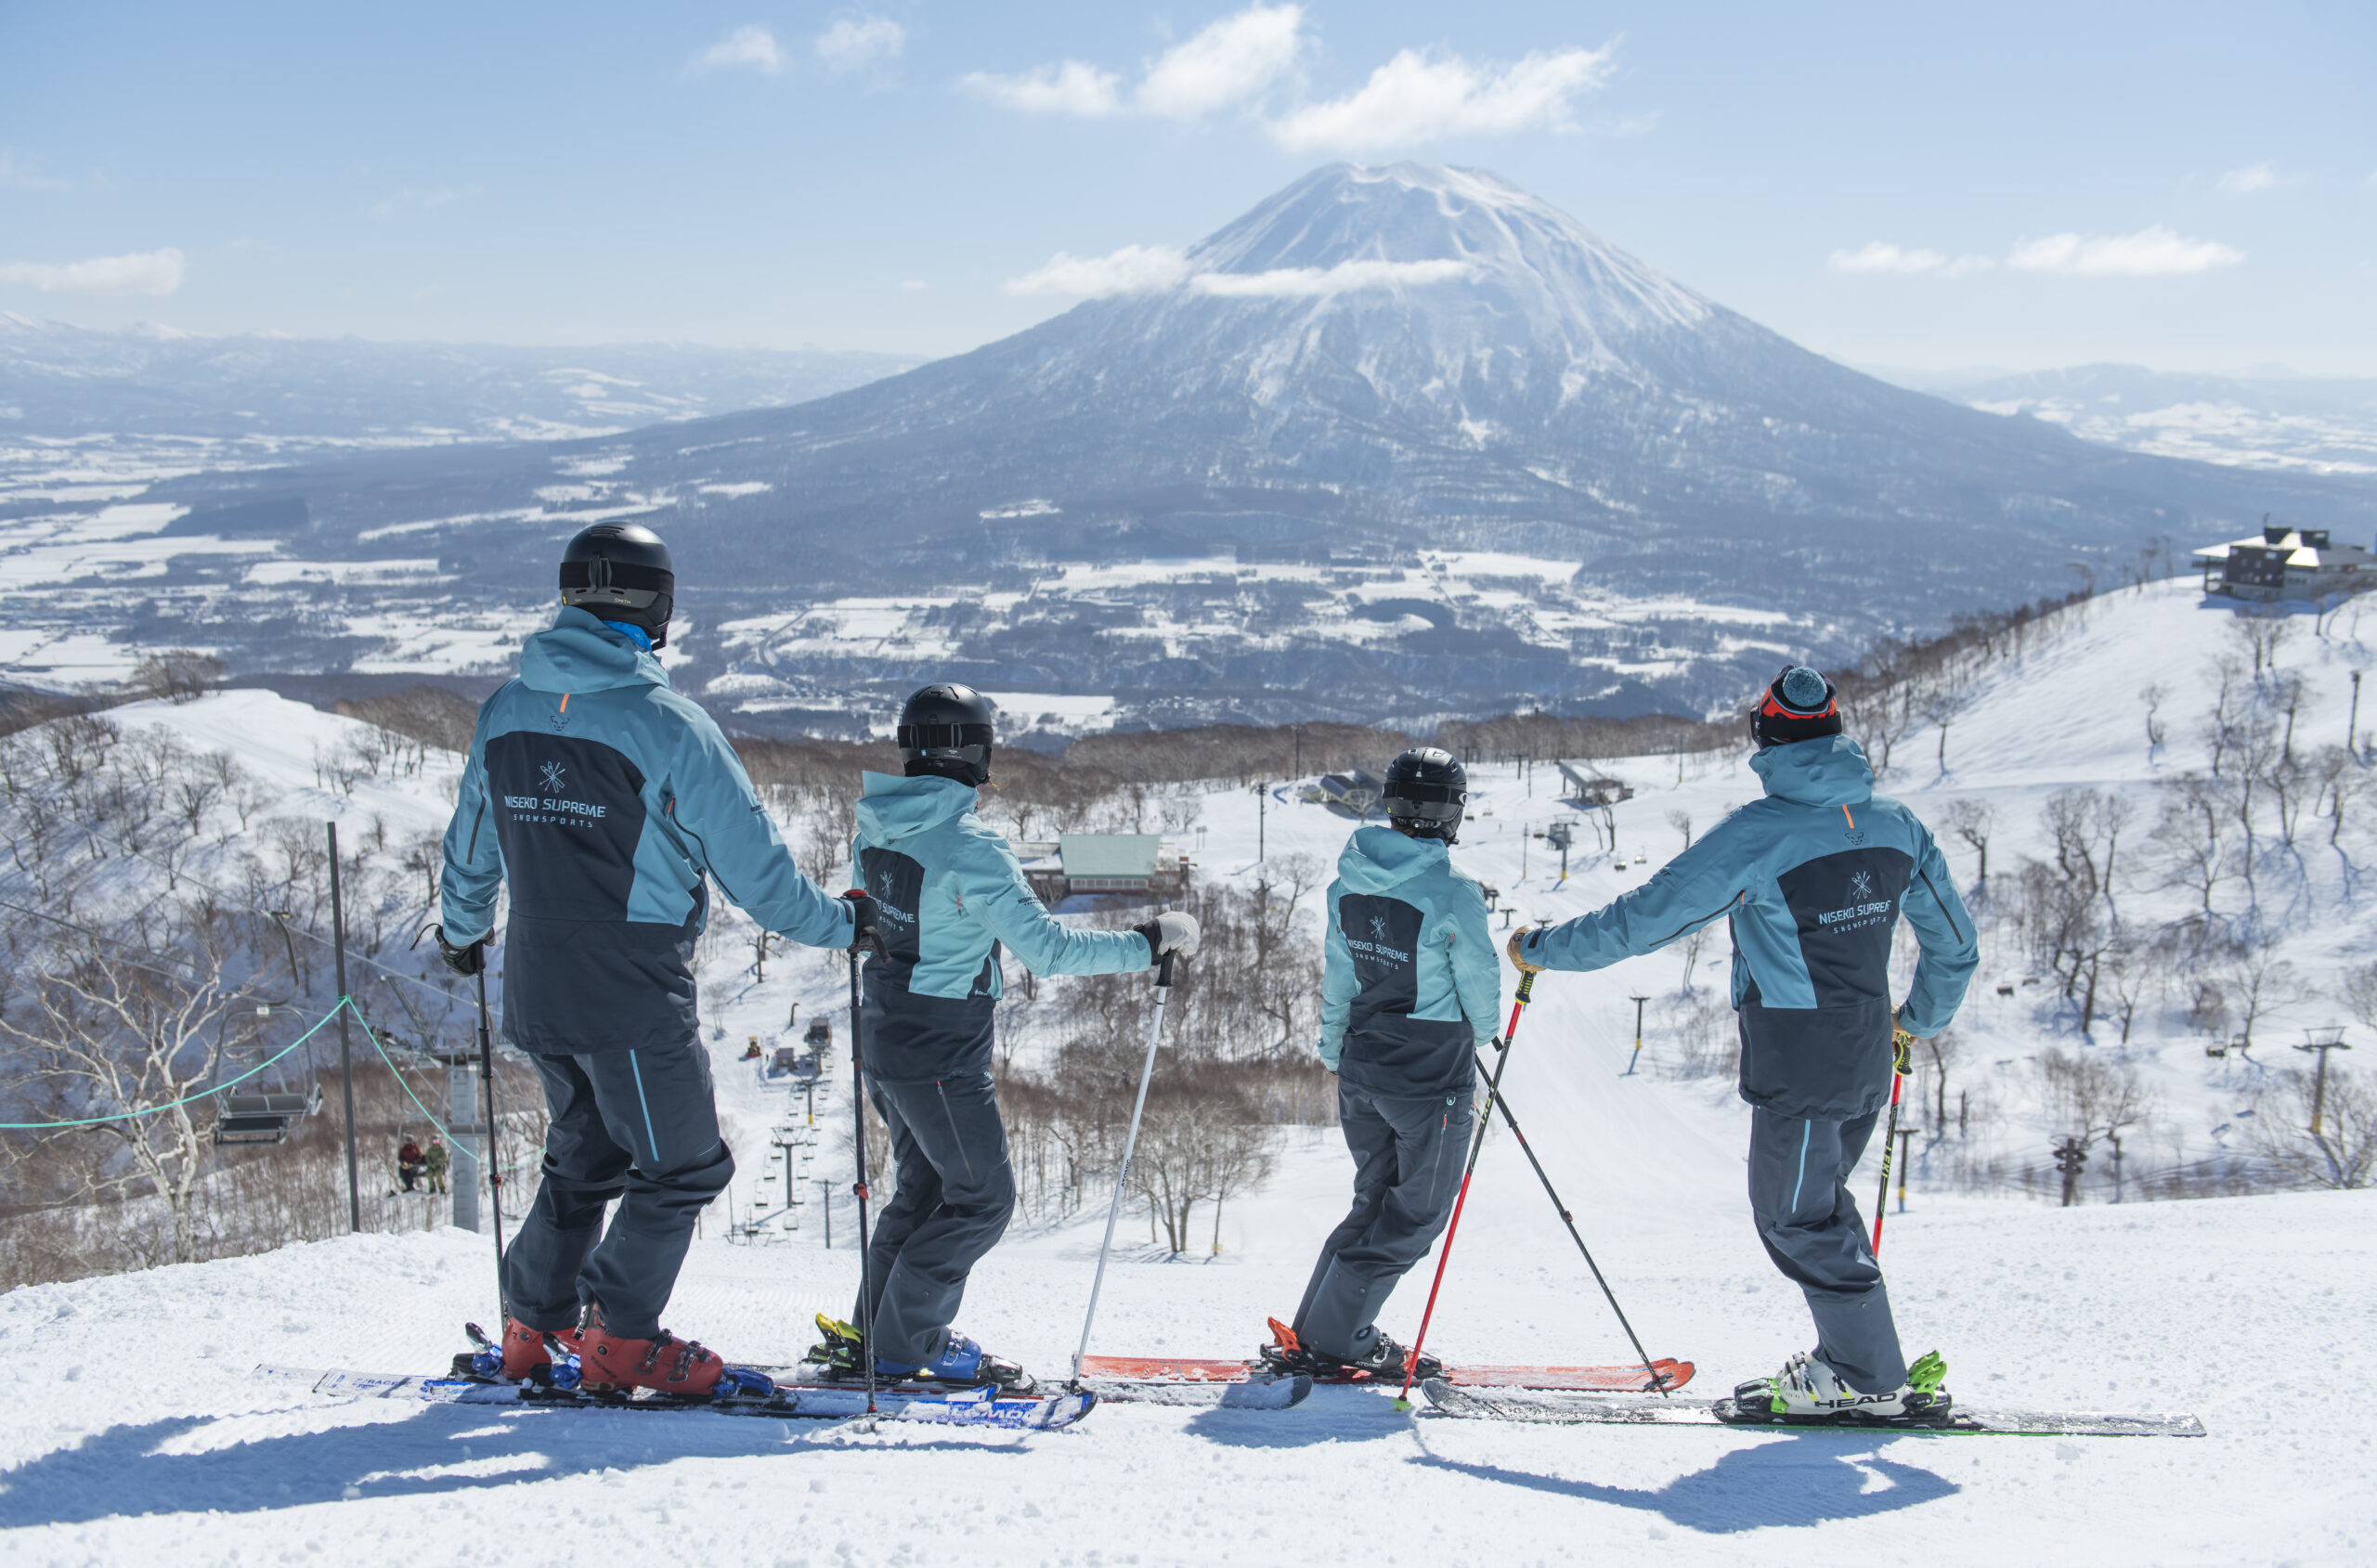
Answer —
(1163, 969)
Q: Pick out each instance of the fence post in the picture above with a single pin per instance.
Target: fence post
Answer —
(346, 1055)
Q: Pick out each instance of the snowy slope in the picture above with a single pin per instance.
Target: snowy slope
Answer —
(2241, 1310)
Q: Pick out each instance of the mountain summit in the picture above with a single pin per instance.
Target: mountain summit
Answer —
(1372, 362)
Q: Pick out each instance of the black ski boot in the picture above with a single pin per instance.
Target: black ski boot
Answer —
(1385, 1361)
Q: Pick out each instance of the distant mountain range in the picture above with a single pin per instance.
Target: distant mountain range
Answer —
(1274, 482)
(61, 381)
(2307, 424)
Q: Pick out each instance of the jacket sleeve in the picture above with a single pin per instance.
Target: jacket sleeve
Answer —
(473, 870)
(1477, 968)
(1943, 930)
(1701, 885)
(993, 888)
(719, 820)
(1337, 988)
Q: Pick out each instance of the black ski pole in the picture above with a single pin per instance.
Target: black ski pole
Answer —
(1477, 1148)
(858, 1128)
(494, 1167)
(1658, 1379)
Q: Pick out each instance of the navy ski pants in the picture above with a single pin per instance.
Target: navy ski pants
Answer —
(956, 1193)
(1407, 1155)
(1799, 1194)
(640, 1127)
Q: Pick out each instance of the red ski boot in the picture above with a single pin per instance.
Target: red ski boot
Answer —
(524, 1348)
(664, 1363)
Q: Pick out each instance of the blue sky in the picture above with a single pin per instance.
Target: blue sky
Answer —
(2182, 186)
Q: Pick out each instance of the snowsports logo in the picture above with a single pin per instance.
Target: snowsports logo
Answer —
(1863, 909)
(551, 807)
(1381, 945)
(1861, 887)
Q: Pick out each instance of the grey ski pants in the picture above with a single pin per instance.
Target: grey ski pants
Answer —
(1407, 1155)
(1799, 1194)
(954, 1198)
(637, 1126)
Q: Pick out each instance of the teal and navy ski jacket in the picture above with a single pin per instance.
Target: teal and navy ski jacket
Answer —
(1412, 987)
(1813, 879)
(951, 891)
(603, 799)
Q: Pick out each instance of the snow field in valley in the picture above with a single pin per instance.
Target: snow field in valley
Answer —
(2241, 1310)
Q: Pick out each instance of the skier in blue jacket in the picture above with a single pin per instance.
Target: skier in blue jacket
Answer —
(948, 894)
(1812, 881)
(1410, 992)
(608, 804)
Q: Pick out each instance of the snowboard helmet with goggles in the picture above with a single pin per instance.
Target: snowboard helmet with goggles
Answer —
(1425, 793)
(1800, 706)
(946, 731)
(621, 572)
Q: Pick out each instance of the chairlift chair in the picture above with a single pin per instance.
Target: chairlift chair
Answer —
(263, 1110)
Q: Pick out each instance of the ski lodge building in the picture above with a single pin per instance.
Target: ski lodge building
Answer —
(1127, 863)
(2286, 563)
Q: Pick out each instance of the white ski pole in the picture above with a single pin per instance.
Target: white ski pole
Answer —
(1130, 1144)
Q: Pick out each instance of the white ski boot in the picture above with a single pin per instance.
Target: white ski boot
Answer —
(1808, 1392)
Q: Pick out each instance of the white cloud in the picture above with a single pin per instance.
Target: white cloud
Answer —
(754, 47)
(1880, 257)
(147, 272)
(2246, 181)
(2149, 253)
(1072, 88)
(854, 43)
(1305, 283)
(25, 173)
(1134, 269)
(1158, 269)
(1227, 62)
(911, 285)
(1417, 97)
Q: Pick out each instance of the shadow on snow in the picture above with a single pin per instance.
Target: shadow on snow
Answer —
(161, 1467)
(1797, 1481)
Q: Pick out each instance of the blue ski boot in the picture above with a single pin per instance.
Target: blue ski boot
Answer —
(960, 1361)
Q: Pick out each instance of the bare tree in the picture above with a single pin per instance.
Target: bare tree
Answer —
(1681, 820)
(1972, 821)
(2261, 983)
(2343, 1153)
(2152, 696)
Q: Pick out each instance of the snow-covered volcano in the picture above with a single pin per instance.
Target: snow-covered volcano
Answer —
(1371, 363)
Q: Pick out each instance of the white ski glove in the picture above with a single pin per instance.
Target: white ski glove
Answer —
(1174, 933)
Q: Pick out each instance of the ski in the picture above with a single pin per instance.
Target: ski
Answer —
(984, 1407)
(1260, 1390)
(1190, 1370)
(1452, 1400)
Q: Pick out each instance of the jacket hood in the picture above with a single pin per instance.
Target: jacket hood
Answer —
(1828, 770)
(577, 653)
(1376, 859)
(895, 807)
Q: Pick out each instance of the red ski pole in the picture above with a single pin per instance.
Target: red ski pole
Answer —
(1901, 1058)
(1477, 1147)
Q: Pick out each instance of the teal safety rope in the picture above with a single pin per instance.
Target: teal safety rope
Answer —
(319, 1024)
(455, 1143)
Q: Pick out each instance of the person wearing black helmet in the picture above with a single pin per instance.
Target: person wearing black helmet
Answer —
(950, 895)
(1812, 882)
(1411, 992)
(608, 804)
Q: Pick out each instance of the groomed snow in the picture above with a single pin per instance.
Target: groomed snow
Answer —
(2250, 1313)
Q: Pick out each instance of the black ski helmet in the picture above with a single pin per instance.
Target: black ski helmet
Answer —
(945, 729)
(621, 572)
(1800, 706)
(1425, 790)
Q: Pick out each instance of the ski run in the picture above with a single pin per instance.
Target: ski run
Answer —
(140, 1429)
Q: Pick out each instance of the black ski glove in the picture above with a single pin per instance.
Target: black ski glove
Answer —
(467, 960)
(866, 930)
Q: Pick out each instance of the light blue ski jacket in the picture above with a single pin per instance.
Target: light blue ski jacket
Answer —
(1412, 984)
(1813, 880)
(607, 801)
(951, 892)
